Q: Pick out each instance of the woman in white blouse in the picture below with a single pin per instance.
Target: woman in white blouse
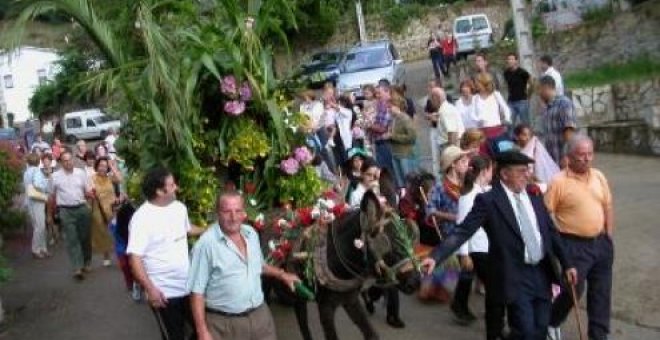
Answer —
(465, 105)
(473, 254)
(311, 108)
(491, 110)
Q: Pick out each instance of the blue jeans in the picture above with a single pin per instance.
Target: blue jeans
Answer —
(519, 112)
(384, 156)
(402, 167)
(438, 64)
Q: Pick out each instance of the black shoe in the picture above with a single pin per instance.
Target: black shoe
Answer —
(368, 303)
(469, 315)
(395, 322)
(461, 316)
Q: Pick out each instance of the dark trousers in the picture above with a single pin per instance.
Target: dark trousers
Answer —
(391, 298)
(438, 65)
(529, 311)
(384, 156)
(593, 260)
(76, 224)
(447, 61)
(495, 309)
(174, 318)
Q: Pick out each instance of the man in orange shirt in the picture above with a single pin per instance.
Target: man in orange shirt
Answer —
(580, 201)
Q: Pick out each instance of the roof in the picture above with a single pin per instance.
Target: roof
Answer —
(371, 45)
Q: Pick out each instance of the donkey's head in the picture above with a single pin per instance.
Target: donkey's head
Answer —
(390, 242)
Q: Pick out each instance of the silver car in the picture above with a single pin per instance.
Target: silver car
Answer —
(367, 63)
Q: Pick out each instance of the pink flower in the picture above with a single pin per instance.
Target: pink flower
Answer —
(303, 155)
(290, 166)
(228, 85)
(245, 92)
(235, 107)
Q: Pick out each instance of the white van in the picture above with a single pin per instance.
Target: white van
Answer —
(87, 124)
(473, 32)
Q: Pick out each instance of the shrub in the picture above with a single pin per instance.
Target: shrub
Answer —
(11, 167)
(396, 18)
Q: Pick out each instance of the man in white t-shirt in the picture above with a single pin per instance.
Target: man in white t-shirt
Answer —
(110, 142)
(158, 250)
(545, 64)
(450, 123)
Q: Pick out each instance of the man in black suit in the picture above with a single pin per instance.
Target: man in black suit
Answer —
(523, 243)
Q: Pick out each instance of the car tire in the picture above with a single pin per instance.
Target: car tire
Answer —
(71, 139)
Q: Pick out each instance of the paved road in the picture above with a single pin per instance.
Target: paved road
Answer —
(44, 302)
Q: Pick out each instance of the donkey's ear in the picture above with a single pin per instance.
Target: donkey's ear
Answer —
(371, 210)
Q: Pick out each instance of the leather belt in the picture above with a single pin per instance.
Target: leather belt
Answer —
(242, 314)
(71, 206)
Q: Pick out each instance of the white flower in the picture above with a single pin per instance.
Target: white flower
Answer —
(272, 245)
(358, 243)
(316, 212)
(253, 202)
(260, 217)
(282, 223)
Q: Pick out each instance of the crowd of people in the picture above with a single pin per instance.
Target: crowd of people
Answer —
(499, 207)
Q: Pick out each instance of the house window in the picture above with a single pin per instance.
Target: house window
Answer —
(41, 74)
(9, 81)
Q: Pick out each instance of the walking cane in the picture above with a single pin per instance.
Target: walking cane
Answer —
(576, 308)
(433, 220)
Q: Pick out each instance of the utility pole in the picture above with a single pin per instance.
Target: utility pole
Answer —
(523, 36)
(360, 21)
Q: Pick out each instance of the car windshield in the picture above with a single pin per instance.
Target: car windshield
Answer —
(326, 57)
(364, 60)
(479, 23)
(463, 26)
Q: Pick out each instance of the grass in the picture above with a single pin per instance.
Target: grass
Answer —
(637, 69)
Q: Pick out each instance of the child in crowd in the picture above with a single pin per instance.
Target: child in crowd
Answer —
(544, 167)
(119, 230)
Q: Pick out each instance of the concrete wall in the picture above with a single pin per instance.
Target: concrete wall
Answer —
(623, 117)
(622, 38)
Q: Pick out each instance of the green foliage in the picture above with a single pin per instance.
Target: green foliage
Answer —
(11, 168)
(396, 18)
(640, 68)
(598, 14)
(538, 27)
(303, 188)
(5, 271)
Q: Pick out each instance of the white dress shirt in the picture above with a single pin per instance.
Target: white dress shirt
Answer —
(492, 109)
(559, 83)
(529, 209)
(478, 243)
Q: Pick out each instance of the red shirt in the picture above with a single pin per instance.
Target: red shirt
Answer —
(449, 46)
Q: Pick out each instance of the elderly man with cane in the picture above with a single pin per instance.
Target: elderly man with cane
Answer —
(580, 201)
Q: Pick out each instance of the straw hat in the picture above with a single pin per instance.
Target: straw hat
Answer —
(450, 155)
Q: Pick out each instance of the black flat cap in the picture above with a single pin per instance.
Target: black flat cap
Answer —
(512, 157)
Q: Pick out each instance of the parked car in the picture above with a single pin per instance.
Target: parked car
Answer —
(473, 32)
(9, 135)
(87, 124)
(322, 68)
(367, 63)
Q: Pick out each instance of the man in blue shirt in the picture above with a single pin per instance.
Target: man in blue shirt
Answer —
(225, 278)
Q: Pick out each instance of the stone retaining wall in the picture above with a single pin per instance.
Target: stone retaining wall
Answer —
(624, 37)
(623, 117)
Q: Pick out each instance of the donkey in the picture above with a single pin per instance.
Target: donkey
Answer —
(361, 246)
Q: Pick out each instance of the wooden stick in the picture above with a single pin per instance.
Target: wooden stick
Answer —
(576, 309)
(433, 220)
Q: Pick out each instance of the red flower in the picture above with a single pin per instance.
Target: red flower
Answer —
(286, 246)
(305, 216)
(330, 195)
(250, 188)
(259, 225)
(534, 190)
(277, 255)
(339, 210)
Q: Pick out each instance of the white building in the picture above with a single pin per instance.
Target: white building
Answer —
(21, 72)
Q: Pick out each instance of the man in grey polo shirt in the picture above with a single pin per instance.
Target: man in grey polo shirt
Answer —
(71, 186)
(225, 278)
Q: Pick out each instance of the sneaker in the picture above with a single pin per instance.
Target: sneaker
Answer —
(136, 292)
(462, 317)
(78, 275)
(87, 269)
(107, 263)
(554, 333)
